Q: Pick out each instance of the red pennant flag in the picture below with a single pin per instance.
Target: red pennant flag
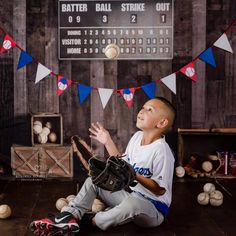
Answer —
(189, 71)
(128, 95)
(7, 44)
(62, 84)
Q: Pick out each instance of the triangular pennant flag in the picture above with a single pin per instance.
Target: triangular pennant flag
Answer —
(170, 82)
(189, 71)
(128, 95)
(7, 44)
(83, 91)
(208, 57)
(62, 84)
(24, 59)
(42, 72)
(223, 43)
(150, 89)
(105, 95)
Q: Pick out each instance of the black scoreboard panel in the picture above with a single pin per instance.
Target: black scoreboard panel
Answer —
(141, 29)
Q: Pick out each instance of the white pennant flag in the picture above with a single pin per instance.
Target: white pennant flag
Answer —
(223, 43)
(170, 82)
(42, 72)
(105, 95)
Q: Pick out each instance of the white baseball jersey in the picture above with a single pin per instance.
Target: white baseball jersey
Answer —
(155, 161)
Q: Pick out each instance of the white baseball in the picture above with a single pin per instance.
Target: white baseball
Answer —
(207, 166)
(70, 197)
(180, 171)
(42, 138)
(37, 122)
(209, 187)
(98, 206)
(37, 129)
(190, 71)
(5, 211)
(112, 51)
(48, 124)
(216, 198)
(6, 44)
(62, 86)
(46, 130)
(128, 96)
(52, 137)
(203, 198)
(63, 208)
(60, 203)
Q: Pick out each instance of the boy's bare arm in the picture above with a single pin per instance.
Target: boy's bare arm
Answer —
(151, 185)
(99, 133)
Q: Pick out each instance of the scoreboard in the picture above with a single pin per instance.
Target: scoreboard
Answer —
(141, 29)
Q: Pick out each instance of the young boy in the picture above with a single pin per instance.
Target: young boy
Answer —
(148, 202)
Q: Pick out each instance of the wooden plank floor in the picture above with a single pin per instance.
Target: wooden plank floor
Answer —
(35, 199)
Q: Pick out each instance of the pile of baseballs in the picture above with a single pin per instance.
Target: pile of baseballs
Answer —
(210, 195)
(62, 204)
(5, 211)
(44, 133)
(180, 171)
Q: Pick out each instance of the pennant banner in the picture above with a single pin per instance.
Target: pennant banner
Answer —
(128, 95)
(7, 44)
(62, 84)
(223, 43)
(42, 72)
(170, 82)
(189, 71)
(150, 89)
(105, 95)
(208, 57)
(83, 91)
(24, 59)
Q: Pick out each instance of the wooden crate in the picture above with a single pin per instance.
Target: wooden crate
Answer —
(56, 122)
(204, 141)
(43, 162)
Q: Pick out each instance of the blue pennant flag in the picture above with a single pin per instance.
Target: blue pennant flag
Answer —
(83, 91)
(208, 57)
(150, 89)
(24, 59)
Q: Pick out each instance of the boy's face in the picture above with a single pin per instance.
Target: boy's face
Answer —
(151, 115)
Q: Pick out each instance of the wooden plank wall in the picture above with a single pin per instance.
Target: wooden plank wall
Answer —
(206, 103)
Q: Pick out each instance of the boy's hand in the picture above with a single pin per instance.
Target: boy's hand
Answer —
(99, 133)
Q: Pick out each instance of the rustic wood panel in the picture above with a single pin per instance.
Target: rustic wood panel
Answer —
(198, 45)
(197, 24)
(19, 35)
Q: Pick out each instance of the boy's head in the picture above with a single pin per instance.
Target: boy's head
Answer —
(157, 113)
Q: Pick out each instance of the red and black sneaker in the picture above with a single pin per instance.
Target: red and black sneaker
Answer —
(63, 223)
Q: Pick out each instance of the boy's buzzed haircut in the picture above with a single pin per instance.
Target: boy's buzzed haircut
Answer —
(168, 104)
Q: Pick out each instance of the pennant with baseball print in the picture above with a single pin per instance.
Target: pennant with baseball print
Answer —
(24, 59)
(7, 44)
(62, 84)
(150, 89)
(223, 43)
(105, 95)
(208, 57)
(128, 95)
(170, 82)
(83, 92)
(189, 71)
(42, 72)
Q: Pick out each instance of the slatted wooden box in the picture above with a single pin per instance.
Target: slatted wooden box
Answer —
(42, 162)
(204, 141)
(55, 124)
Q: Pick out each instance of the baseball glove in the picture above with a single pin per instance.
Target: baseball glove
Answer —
(113, 175)
(78, 144)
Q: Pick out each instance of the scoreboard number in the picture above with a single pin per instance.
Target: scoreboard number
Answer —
(141, 29)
